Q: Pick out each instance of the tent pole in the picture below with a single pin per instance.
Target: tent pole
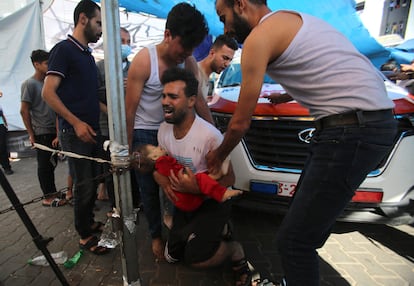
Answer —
(117, 118)
(42, 27)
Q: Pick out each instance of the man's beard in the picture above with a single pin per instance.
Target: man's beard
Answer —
(241, 28)
(215, 67)
(176, 118)
(89, 34)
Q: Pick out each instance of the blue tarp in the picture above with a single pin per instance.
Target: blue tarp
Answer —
(403, 53)
(339, 13)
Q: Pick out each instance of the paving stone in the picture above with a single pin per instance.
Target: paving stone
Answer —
(349, 242)
(371, 266)
(392, 281)
(403, 271)
(335, 254)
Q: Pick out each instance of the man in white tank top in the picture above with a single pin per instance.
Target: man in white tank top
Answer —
(322, 70)
(185, 29)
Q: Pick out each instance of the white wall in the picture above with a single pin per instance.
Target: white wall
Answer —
(409, 33)
(372, 16)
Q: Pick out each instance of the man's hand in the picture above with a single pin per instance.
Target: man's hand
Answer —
(170, 193)
(213, 162)
(32, 140)
(125, 84)
(407, 67)
(85, 132)
(277, 98)
(55, 142)
(184, 182)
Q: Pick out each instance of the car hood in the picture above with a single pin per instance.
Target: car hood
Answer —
(225, 99)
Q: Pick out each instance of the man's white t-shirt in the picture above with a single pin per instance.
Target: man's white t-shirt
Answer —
(191, 150)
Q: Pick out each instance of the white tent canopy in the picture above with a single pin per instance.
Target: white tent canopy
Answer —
(21, 32)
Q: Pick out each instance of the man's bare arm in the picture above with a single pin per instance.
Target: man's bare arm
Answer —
(201, 105)
(27, 120)
(138, 74)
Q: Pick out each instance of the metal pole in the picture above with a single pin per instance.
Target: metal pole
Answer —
(117, 133)
(42, 27)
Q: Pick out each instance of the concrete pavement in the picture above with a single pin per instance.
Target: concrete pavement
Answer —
(355, 254)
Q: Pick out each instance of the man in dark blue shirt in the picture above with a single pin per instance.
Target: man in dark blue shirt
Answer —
(71, 89)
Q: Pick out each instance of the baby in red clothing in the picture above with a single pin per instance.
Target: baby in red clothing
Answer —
(150, 158)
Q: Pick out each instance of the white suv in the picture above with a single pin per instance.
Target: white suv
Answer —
(270, 158)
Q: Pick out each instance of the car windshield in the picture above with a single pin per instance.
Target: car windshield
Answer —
(232, 77)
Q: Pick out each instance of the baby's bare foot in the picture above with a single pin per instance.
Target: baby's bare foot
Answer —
(229, 193)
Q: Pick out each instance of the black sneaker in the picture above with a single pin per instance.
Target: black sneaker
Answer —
(8, 171)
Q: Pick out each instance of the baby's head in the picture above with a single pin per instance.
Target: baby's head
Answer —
(144, 157)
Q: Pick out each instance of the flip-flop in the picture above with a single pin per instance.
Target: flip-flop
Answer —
(92, 246)
(55, 203)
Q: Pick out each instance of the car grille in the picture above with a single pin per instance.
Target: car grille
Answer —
(273, 143)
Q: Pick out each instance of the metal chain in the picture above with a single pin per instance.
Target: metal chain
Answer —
(118, 171)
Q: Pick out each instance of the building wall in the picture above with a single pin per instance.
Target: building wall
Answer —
(385, 17)
(395, 17)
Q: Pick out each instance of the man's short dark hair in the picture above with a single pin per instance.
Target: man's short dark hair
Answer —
(390, 65)
(39, 56)
(225, 40)
(124, 30)
(185, 21)
(176, 73)
(88, 7)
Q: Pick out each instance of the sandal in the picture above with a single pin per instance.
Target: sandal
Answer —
(97, 227)
(243, 272)
(56, 202)
(92, 246)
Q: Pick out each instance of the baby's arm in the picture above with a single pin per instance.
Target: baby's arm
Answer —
(213, 189)
(227, 178)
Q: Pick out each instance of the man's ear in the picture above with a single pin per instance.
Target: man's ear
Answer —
(167, 35)
(240, 5)
(192, 100)
(83, 20)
